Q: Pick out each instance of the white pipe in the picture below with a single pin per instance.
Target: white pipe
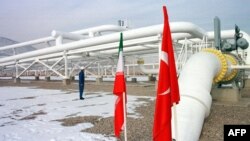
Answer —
(195, 83)
(65, 35)
(181, 36)
(179, 27)
(225, 34)
(148, 71)
(186, 27)
(76, 45)
(240, 67)
(46, 39)
(126, 49)
(102, 28)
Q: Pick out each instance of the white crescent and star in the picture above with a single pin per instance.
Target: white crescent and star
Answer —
(164, 58)
(166, 92)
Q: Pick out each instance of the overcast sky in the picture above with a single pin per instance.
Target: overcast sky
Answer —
(24, 20)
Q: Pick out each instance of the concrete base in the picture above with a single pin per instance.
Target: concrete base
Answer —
(47, 78)
(17, 80)
(72, 78)
(151, 78)
(36, 77)
(247, 83)
(226, 94)
(99, 80)
(133, 80)
(156, 85)
(66, 81)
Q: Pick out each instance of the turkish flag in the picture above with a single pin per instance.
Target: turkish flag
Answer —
(168, 89)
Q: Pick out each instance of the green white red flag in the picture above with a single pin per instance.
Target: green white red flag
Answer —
(168, 89)
(119, 90)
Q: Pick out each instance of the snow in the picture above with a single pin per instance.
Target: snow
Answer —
(139, 78)
(19, 102)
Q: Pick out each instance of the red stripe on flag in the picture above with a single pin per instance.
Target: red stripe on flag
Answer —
(119, 89)
(119, 84)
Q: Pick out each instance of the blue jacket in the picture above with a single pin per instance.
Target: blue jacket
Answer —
(81, 77)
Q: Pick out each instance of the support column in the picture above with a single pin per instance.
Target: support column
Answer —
(151, 78)
(59, 40)
(99, 80)
(127, 70)
(226, 94)
(66, 80)
(47, 78)
(133, 80)
(16, 69)
(105, 72)
(36, 76)
(16, 78)
(98, 70)
(247, 83)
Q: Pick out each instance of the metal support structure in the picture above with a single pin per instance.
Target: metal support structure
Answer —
(66, 71)
(99, 71)
(127, 70)
(16, 69)
(57, 69)
(25, 69)
(50, 68)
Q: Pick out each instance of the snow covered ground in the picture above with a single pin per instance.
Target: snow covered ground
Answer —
(139, 78)
(18, 104)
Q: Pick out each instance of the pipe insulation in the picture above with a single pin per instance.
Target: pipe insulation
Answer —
(195, 83)
(103, 28)
(178, 27)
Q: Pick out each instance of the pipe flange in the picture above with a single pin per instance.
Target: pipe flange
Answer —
(234, 72)
(223, 62)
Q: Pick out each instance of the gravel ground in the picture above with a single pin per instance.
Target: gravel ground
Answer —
(140, 129)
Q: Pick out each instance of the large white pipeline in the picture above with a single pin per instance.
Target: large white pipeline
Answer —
(195, 83)
(178, 27)
(92, 30)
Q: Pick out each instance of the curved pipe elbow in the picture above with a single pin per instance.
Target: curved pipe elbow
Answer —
(187, 27)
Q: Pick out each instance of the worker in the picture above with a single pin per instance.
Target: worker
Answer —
(81, 83)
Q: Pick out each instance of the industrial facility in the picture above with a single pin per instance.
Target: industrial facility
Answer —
(216, 62)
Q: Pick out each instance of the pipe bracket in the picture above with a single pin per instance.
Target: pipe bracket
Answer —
(234, 72)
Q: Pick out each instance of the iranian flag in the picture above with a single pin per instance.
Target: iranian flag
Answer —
(120, 92)
(168, 90)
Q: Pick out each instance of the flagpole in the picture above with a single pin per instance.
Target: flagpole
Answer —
(125, 116)
(175, 122)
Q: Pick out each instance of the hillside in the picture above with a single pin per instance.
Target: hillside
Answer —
(5, 41)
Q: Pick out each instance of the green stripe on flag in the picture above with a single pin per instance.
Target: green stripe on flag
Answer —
(121, 44)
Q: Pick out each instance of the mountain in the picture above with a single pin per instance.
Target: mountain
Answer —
(5, 41)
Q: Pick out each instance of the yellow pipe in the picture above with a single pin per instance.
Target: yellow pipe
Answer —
(223, 61)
